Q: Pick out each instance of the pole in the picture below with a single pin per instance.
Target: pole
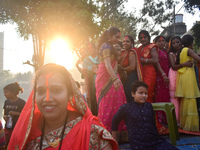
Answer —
(174, 22)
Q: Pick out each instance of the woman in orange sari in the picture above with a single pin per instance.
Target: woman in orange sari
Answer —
(56, 116)
(149, 58)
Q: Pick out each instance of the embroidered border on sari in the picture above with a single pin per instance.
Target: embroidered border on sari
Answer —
(106, 87)
(138, 65)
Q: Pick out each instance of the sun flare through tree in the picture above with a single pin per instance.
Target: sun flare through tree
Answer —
(59, 52)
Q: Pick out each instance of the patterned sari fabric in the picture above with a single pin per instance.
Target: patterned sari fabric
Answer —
(172, 89)
(108, 99)
(188, 90)
(149, 72)
(84, 132)
(162, 88)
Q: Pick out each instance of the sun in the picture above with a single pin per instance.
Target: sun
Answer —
(59, 52)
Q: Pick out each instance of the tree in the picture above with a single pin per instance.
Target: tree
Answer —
(190, 5)
(46, 20)
(195, 32)
(112, 13)
(151, 17)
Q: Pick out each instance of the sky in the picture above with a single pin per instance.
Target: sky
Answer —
(17, 51)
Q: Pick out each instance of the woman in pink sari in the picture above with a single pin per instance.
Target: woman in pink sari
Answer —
(109, 89)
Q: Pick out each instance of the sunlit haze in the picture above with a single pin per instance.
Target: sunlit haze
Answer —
(59, 52)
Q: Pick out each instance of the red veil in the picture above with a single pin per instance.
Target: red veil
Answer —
(27, 127)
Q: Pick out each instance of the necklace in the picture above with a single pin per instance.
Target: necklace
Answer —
(57, 141)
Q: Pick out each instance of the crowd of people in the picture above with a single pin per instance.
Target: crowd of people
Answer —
(121, 82)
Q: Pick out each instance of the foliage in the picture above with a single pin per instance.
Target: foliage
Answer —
(44, 20)
(154, 13)
(190, 5)
(196, 31)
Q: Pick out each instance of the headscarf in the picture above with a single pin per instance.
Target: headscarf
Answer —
(27, 127)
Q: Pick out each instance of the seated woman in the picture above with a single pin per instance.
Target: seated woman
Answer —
(56, 116)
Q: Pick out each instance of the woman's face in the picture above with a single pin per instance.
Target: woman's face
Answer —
(115, 38)
(8, 94)
(176, 44)
(127, 44)
(161, 43)
(52, 96)
(144, 40)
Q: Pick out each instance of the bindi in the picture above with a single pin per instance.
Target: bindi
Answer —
(47, 84)
(142, 35)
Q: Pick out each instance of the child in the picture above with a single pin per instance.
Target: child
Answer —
(140, 121)
(12, 108)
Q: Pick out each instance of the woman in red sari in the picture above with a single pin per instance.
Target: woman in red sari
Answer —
(149, 58)
(56, 116)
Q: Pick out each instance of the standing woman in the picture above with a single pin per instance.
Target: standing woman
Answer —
(149, 58)
(12, 108)
(109, 89)
(162, 88)
(174, 47)
(187, 87)
(130, 65)
(90, 65)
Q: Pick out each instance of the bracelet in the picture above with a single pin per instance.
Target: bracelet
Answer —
(163, 74)
(146, 60)
(115, 78)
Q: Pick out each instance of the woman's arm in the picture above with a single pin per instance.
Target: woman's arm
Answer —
(159, 68)
(193, 55)
(116, 80)
(174, 66)
(14, 113)
(152, 60)
(132, 63)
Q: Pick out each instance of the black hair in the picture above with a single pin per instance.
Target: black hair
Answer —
(138, 84)
(171, 48)
(131, 38)
(167, 38)
(145, 33)
(13, 88)
(54, 69)
(186, 41)
(157, 38)
(105, 37)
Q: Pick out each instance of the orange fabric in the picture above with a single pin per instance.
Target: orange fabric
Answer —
(149, 72)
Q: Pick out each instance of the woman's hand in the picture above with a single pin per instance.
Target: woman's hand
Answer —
(187, 64)
(12, 113)
(6, 117)
(117, 84)
(166, 79)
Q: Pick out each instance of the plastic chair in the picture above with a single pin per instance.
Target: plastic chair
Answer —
(169, 109)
